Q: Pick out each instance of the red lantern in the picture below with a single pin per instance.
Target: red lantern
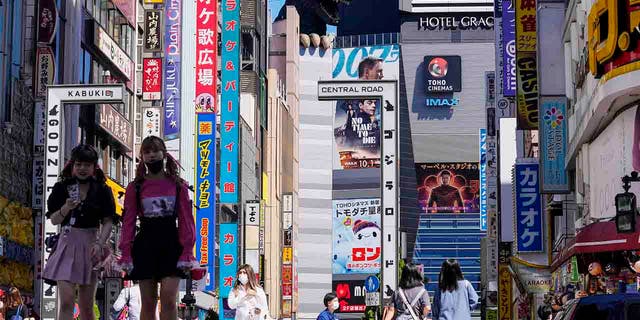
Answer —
(595, 269)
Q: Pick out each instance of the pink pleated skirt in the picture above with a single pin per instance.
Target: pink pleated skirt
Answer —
(72, 259)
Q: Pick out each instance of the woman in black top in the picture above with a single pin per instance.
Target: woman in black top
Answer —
(82, 204)
(15, 305)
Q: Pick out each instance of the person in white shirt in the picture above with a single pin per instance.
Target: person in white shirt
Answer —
(130, 297)
(247, 298)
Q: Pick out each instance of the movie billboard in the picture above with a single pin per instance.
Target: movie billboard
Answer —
(357, 236)
(357, 134)
(448, 187)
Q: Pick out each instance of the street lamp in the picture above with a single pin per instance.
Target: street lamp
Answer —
(626, 206)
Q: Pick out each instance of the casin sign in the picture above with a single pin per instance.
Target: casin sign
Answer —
(456, 23)
(613, 34)
(443, 74)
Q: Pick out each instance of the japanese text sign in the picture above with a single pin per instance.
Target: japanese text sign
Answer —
(45, 70)
(526, 65)
(228, 264)
(151, 79)
(505, 291)
(509, 83)
(151, 122)
(553, 144)
(529, 215)
(116, 125)
(483, 179)
(152, 30)
(172, 69)
(47, 21)
(230, 95)
(357, 235)
(206, 55)
(205, 195)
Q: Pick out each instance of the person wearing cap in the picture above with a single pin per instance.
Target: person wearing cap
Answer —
(82, 204)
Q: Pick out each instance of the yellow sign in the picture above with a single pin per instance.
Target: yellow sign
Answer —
(118, 195)
(526, 69)
(525, 25)
(504, 292)
(153, 1)
(609, 45)
(287, 255)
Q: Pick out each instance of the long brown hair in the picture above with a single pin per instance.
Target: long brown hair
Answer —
(15, 299)
(253, 282)
(83, 153)
(153, 143)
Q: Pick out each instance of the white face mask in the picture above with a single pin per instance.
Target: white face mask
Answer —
(243, 279)
(335, 305)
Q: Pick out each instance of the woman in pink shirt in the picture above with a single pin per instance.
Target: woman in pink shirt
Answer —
(162, 250)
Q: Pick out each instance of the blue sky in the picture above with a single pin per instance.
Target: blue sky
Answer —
(275, 6)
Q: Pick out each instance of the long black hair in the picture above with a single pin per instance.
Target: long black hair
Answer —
(411, 277)
(450, 274)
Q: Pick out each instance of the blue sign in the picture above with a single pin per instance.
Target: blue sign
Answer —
(529, 215)
(483, 179)
(228, 266)
(553, 145)
(509, 84)
(442, 102)
(346, 61)
(205, 194)
(230, 102)
(172, 65)
(372, 284)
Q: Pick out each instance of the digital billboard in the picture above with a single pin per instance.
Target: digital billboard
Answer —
(448, 187)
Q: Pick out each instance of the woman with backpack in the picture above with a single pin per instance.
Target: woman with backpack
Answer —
(15, 309)
(455, 297)
(162, 251)
(411, 300)
(82, 204)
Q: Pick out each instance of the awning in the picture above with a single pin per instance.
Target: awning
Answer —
(599, 237)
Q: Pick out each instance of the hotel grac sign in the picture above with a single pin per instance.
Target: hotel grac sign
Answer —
(613, 36)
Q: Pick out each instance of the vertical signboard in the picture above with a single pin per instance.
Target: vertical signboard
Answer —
(553, 145)
(356, 236)
(151, 79)
(504, 293)
(206, 55)
(509, 83)
(172, 69)
(526, 66)
(228, 266)
(205, 194)
(152, 30)
(47, 21)
(529, 216)
(151, 122)
(45, 70)
(230, 95)
(483, 179)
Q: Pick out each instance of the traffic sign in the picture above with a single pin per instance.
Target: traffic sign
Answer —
(372, 284)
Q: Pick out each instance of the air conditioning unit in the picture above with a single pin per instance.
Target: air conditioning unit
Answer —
(138, 91)
(138, 140)
(140, 42)
(139, 67)
(138, 116)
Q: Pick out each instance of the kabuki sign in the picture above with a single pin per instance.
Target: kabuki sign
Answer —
(386, 92)
(57, 97)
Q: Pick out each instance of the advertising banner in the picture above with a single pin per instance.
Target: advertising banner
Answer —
(155, 1)
(351, 295)
(357, 134)
(152, 30)
(228, 266)
(206, 55)
(483, 179)
(113, 52)
(172, 69)
(553, 145)
(366, 63)
(526, 67)
(356, 236)
(47, 21)
(230, 104)
(443, 74)
(205, 194)
(151, 122)
(151, 79)
(251, 212)
(45, 70)
(448, 187)
(116, 125)
(529, 215)
(509, 83)
(505, 293)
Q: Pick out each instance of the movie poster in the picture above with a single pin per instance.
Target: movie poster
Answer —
(450, 187)
(356, 236)
(357, 134)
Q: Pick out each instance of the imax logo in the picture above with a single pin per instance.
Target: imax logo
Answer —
(441, 102)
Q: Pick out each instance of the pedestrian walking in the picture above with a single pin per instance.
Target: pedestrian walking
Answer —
(411, 300)
(332, 304)
(247, 298)
(455, 297)
(130, 302)
(15, 309)
(82, 204)
(161, 252)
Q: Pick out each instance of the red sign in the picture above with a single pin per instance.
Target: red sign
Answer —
(47, 20)
(287, 274)
(351, 294)
(287, 290)
(152, 79)
(206, 55)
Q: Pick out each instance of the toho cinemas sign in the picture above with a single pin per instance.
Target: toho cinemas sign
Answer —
(613, 38)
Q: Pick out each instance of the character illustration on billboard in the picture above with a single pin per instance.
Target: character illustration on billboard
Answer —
(357, 133)
(204, 103)
(448, 187)
(356, 236)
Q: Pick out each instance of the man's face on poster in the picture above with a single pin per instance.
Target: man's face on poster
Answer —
(446, 178)
(368, 107)
(374, 73)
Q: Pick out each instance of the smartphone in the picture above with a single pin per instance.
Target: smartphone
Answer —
(74, 192)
